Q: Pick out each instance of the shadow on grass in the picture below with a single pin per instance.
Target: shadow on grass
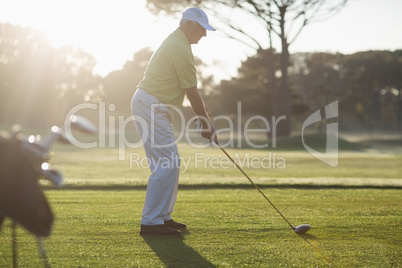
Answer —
(173, 252)
(306, 238)
(309, 236)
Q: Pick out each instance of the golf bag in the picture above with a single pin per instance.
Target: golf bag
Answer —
(21, 197)
(23, 161)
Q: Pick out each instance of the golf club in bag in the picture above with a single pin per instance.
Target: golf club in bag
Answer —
(23, 161)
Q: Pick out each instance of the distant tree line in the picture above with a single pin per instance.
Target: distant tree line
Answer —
(39, 83)
(367, 85)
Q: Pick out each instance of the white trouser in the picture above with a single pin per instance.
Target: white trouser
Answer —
(154, 124)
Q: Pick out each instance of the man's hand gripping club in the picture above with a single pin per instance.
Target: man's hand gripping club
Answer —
(207, 130)
(203, 123)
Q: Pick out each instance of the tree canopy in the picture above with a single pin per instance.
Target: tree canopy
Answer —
(40, 83)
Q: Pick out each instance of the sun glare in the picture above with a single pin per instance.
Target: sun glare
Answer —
(111, 31)
(98, 27)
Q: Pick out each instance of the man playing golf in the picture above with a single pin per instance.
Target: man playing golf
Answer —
(170, 76)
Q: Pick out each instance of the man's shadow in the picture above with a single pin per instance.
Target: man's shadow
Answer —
(173, 252)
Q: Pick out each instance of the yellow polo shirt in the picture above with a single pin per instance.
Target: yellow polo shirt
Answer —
(171, 70)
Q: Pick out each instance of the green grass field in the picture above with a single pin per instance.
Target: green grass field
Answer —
(354, 210)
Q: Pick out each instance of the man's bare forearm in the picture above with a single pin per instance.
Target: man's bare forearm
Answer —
(197, 103)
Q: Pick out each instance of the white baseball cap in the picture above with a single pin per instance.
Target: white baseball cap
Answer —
(196, 14)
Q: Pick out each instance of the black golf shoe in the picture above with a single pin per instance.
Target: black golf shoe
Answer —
(175, 225)
(160, 230)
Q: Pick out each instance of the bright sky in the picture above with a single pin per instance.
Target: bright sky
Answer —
(113, 30)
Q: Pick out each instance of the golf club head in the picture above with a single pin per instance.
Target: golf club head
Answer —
(82, 124)
(52, 175)
(36, 151)
(61, 136)
(301, 229)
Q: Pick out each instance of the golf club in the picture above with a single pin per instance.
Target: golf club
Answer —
(82, 124)
(301, 229)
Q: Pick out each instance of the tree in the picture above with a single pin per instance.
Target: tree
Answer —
(373, 83)
(317, 78)
(367, 85)
(74, 81)
(25, 82)
(283, 19)
(120, 85)
(249, 88)
(39, 83)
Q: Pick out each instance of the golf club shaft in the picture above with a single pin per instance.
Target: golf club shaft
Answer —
(231, 159)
